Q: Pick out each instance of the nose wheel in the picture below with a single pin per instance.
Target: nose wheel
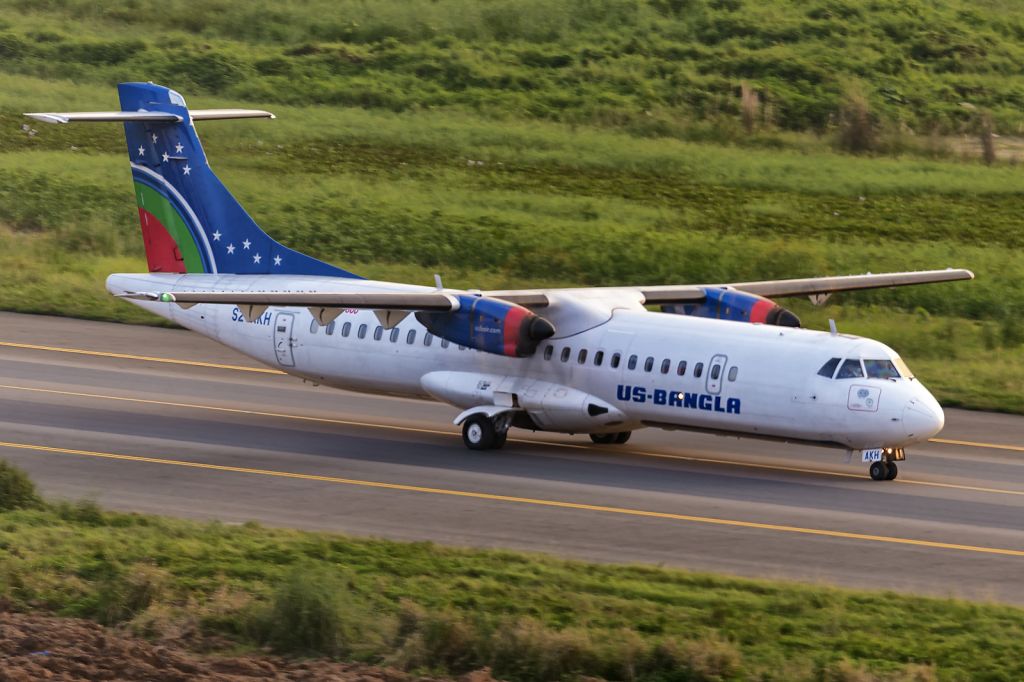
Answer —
(883, 471)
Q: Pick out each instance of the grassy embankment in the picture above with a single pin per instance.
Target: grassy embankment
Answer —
(393, 195)
(423, 607)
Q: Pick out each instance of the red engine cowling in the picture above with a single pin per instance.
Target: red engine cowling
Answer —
(739, 306)
(490, 325)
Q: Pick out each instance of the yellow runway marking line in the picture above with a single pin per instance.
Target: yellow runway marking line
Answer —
(267, 370)
(144, 358)
(931, 544)
(438, 432)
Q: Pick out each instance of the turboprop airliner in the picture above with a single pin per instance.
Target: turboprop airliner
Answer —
(719, 358)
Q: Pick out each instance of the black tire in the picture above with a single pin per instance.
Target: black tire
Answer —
(499, 440)
(603, 438)
(478, 433)
(622, 436)
(878, 471)
(893, 471)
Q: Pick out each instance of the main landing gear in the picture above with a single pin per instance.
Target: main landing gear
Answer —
(480, 432)
(610, 438)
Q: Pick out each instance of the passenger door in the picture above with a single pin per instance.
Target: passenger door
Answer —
(284, 339)
(716, 373)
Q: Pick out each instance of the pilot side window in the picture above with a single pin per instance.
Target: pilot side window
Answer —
(851, 369)
(598, 358)
(428, 339)
(829, 368)
(881, 369)
(582, 357)
(666, 365)
(681, 368)
(698, 369)
(632, 362)
(733, 371)
(362, 331)
(566, 352)
(410, 338)
(548, 352)
(346, 329)
(378, 333)
(616, 358)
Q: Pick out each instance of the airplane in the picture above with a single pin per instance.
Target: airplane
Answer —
(720, 358)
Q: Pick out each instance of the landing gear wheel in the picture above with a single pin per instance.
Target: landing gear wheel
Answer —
(603, 438)
(893, 471)
(622, 436)
(879, 471)
(499, 439)
(478, 433)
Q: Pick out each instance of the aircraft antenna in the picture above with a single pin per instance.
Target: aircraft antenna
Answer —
(832, 327)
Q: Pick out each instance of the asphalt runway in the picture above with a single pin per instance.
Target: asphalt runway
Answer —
(97, 411)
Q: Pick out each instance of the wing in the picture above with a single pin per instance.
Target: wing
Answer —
(772, 288)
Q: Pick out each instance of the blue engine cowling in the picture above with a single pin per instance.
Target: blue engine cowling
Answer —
(490, 325)
(739, 306)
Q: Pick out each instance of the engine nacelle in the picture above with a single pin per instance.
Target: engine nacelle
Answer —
(490, 325)
(738, 306)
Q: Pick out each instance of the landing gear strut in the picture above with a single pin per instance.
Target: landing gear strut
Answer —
(480, 432)
(609, 438)
(886, 469)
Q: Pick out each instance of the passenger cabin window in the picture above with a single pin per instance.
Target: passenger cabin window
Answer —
(733, 371)
(828, 370)
(566, 352)
(582, 357)
(632, 362)
(330, 328)
(410, 338)
(362, 331)
(681, 368)
(716, 371)
(395, 333)
(666, 365)
(598, 358)
(378, 333)
(616, 358)
(881, 369)
(851, 369)
(428, 339)
(698, 369)
(313, 326)
(445, 343)
(648, 364)
(346, 329)
(548, 352)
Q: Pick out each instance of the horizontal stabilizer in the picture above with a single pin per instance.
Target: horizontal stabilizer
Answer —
(146, 116)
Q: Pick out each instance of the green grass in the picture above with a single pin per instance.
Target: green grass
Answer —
(421, 606)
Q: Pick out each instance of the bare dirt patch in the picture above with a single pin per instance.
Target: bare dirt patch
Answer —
(35, 647)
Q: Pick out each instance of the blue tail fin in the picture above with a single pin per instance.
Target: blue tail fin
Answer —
(190, 222)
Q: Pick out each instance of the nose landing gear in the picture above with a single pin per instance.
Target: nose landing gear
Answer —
(885, 469)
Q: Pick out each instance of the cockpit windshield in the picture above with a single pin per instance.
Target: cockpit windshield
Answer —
(853, 368)
(881, 369)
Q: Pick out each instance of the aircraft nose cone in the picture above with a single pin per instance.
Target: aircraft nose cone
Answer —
(922, 419)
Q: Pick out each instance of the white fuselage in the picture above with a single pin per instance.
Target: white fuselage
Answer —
(738, 378)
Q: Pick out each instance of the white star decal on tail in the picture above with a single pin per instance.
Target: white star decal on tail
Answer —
(142, 150)
(154, 138)
(165, 157)
(256, 259)
(231, 249)
(177, 148)
(216, 236)
(246, 244)
(186, 170)
(277, 260)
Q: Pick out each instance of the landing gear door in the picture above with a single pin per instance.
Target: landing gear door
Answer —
(716, 372)
(284, 339)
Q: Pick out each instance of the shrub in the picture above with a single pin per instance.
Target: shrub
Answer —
(17, 491)
(856, 123)
(128, 594)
